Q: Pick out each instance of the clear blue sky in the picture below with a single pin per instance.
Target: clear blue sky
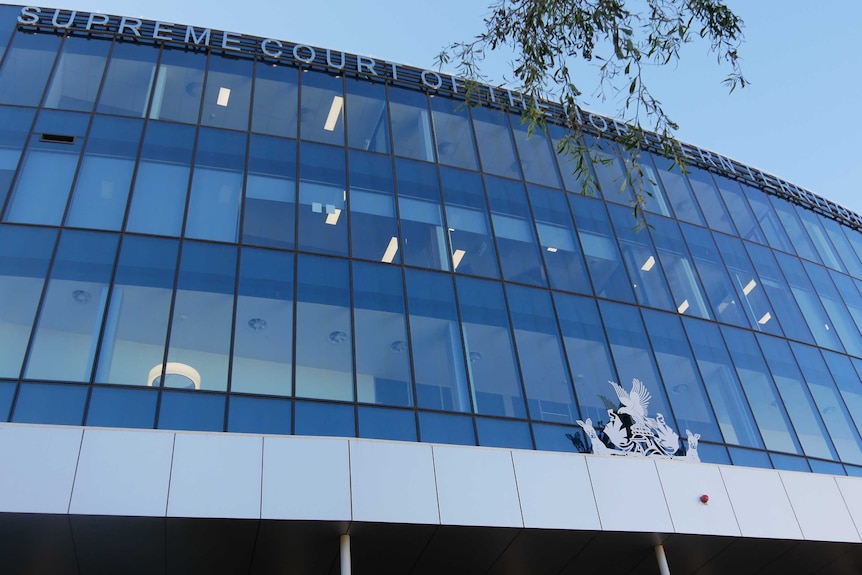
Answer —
(799, 119)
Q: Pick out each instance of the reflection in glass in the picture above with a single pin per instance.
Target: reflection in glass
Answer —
(14, 129)
(216, 185)
(269, 217)
(203, 308)
(537, 158)
(502, 433)
(513, 228)
(137, 319)
(129, 80)
(324, 346)
(422, 229)
(835, 231)
(392, 424)
(739, 210)
(711, 203)
(682, 279)
(603, 257)
(494, 375)
(811, 222)
(612, 176)
(839, 317)
(798, 236)
(178, 86)
(444, 428)
(438, 354)
(496, 149)
(322, 108)
(373, 225)
(723, 296)
(263, 332)
(411, 124)
(25, 71)
(382, 355)
(453, 133)
(573, 178)
(678, 191)
(159, 196)
(768, 219)
(276, 100)
(652, 194)
(64, 344)
(469, 231)
(812, 309)
(78, 74)
(367, 116)
(322, 199)
(228, 93)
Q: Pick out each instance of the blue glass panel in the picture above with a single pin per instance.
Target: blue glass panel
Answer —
(822, 244)
(99, 197)
(454, 136)
(129, 79)
(269, 218)
(28, 62)
(78, 74)
(826, 467)
(684, 284)
(740, 211)
(835, 231)
(451, 429)
(496, 149)
(422, 229)
(324, 346)
(850, 296)
(560, 438)
(7, 393)
(750, 458)
(367, 116)
(488, 342)
(24, 257)
(795, 231)
(853, 471)
(768, 219)
(178, 86)
(438, 354)
(679, 372)
(503, 433)
(382, 356)
(537, 156)
(558, 241)
(469, 232)
(646, 179)
(203, 308)
(118, 407)
(322, 108)
(40, 195)
(855, 239)
(216, 186)
(513, 228)
(812, 309)
(546, 378)
(259, 415)
(678, 191)
(796, 398)
(325, 419)
(263, 333)
(373, 225)
(8, 22)
(709, 453)
(411, 124)
(276, 100)
(841, 320)
(571, 170)
(639, 255)
(588, 354)
(613, 178)
(14, 128)
(845, 372)
(789, 462)
(604, 261)
(711, 203)
(137, 324)
(757, 382)
(64, 345)
(394, 424)
(322, 199)
(228, 93)
(191, 411)
(55, 404)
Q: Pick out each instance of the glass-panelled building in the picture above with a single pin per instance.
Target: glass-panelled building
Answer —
(210, 232)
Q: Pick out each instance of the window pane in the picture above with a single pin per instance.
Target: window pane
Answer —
(52, 404)
(325, 419)
(8, 22)
(488, 341)
(216, 185)
(324, 348)
(64, 345)
(78, 74)
(276, 100)
(812, 309)
(573, 178)
(367, 116)
(411, 124)
(191, 411)
(683, 281)
(129, 80)
(228, 93)
(454, 135)
(259, 415)
(835, 231)
(513, 228)
(546, 377)
(137, 323)
(102, 188)
(768, 219)
(122, 408)
(14, 128)
(322, 199)
(438, 354)
(263, 335)
(610, 172)
(201, 322)
(726, 304)
(392, 424)
(502, 433)
(811, 222)
(537, 159)
(739, 209)
(652, 194)
(382, 355)
(422, 230)
(711, 203)
(373, 225)
(322, 108)
(24, 257)
(25, 71)
(451, 429)
(495, 142)
(269, 218)
(678, 191)
(845, 372)
(159, 196)
(839, 317)
(799, 237)
(178, 88)
(469, 232)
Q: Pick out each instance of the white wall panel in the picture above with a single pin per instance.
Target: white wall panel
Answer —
(123, 473)
(819, 507)
(476, 487)
(629, 494)
(306, 478)
(555, 491)
(684, 484)
(851, 493)
(216, 475)
(393, 482)
(38, 467)
(760, 503)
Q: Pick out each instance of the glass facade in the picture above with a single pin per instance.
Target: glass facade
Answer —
(195, 240)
